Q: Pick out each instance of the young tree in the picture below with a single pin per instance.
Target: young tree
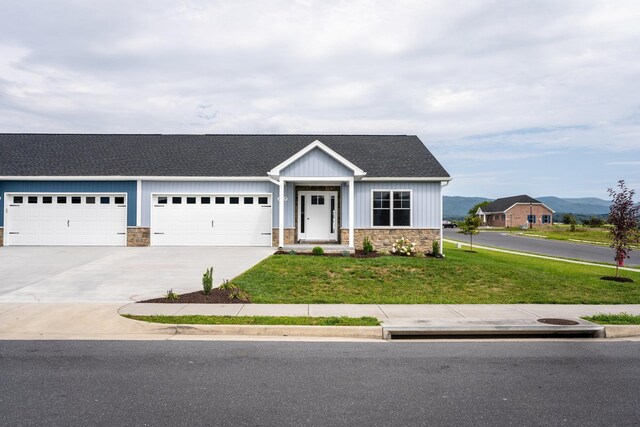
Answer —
(470, 227)
(568, 218)
(624, 217)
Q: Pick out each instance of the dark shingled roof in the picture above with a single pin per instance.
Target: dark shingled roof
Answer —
(203, 155)
(501, 205)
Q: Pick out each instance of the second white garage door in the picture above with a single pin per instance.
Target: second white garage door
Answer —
(211, 220)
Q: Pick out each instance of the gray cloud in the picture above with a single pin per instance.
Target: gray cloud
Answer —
(490, 77)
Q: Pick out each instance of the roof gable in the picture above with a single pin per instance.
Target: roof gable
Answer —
(308, 162)
(505, 203)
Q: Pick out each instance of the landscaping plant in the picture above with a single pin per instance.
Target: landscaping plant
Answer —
(435, 248)
(470, 227)
(317, 251)
(226, 285)
(624, 217)
(170, 295)
(367, 246)
(404, 247)
(207, 281)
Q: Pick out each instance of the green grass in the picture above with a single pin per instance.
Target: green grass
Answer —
(563, 232)
(614, 319)
(259, 320)
(484, 277)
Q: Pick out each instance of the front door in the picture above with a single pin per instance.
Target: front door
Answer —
(317, 216)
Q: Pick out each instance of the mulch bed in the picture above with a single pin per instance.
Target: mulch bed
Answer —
(358, 254)
(217, 296)
(617, 279)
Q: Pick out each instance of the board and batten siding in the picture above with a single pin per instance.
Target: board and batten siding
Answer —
(316, 163)
(128, 187)
(217, 187)
(425, 202)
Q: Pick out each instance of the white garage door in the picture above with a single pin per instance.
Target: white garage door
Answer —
(66, 219)
(211, 220)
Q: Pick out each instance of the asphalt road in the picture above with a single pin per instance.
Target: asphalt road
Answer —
(543, 246)
(283, 383)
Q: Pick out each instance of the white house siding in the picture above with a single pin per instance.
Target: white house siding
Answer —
(425, 202)
(316, 163)
(213, 187)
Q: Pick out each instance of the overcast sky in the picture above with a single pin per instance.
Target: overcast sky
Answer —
(536, 97)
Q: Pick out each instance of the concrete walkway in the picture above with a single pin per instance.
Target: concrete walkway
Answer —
(383, 311)
(101, 321)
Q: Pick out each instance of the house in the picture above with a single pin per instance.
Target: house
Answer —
(218, 190)
(516, 211)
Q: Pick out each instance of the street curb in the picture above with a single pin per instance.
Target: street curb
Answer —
(621, 331)
(374, 332)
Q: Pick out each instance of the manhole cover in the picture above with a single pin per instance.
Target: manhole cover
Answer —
(551, 321)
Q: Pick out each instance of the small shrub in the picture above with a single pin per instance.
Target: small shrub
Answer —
(367, 246)
(345, 253)
(403, 247)
(238, 293)
(292, 252)
(435, 248)
(170, 295)
(207, 281)
(573, 227)
(226, 285)
(317, 251)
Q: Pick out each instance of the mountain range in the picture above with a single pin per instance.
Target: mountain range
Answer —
(458, 206)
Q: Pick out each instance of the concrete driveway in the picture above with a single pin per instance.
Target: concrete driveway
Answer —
(104, 274)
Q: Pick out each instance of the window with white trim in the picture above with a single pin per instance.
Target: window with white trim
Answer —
(391, 208)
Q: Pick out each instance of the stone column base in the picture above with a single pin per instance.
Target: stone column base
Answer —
(138, 236)
(384, 238)
(289, 237)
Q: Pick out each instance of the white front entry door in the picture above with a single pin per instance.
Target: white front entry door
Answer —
(318, 216)
(78, 219)
(211, 220)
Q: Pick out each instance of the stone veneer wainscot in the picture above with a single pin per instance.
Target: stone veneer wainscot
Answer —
(384, 238)
(138, 236)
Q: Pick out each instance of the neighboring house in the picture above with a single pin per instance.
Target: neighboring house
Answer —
(218, 190)
(516, 211)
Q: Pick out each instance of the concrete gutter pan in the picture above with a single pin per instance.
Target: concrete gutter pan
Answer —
(479, 328)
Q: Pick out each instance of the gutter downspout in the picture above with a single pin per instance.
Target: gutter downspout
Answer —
(442, 184)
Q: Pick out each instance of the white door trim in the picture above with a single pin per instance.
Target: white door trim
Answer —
(328, 194)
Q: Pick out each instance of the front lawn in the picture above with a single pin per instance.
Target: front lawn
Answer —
(563, 232)
(484, 277)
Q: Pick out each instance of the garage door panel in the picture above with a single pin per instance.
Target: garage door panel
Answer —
(67, 220)
(219, 222)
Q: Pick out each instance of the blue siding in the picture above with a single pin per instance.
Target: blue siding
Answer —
(425, 202)
(128, 187)
(316, 163)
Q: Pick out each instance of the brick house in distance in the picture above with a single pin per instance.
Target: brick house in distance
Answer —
(516, 211)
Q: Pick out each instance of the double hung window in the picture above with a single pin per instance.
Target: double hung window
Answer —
(391, 208)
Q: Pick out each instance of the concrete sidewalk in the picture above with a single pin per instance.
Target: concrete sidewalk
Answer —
(383, 311)
(101, 321)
